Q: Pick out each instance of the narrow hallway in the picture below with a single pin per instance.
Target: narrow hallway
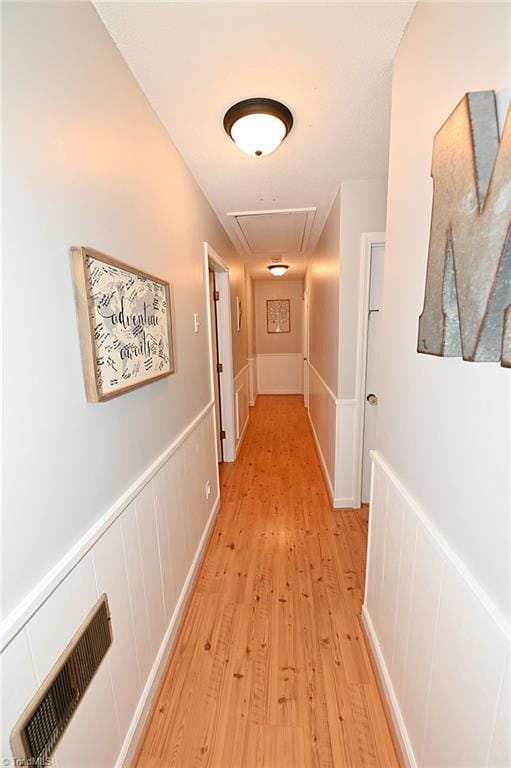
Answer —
(270, 667)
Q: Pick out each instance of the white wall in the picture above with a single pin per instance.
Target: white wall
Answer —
(86, 161)
(363, 209)
(437, 601)
(322, 281)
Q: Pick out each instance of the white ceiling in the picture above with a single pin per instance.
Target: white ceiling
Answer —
(329, 62)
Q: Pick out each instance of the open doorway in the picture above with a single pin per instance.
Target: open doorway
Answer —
(370, 295)
(218, 305)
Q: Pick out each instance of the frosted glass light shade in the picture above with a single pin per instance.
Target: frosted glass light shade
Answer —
(278, 269)
(258, 126)
(258, 134)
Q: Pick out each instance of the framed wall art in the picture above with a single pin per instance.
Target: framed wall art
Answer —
(125, 324)
(278, 316)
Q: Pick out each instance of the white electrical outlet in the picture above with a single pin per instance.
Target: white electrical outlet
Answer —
(208, 489)
(196, 323)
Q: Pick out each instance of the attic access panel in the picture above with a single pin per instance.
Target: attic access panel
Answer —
(278, 231)
(42, 724)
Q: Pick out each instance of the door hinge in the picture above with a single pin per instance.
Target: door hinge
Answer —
(219, 368)
(222, 434)
(216, 295)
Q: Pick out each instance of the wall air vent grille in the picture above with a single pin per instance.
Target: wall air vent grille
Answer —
(42, 724)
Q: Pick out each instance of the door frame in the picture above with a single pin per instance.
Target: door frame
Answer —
(305, 346)
(368, 241)
(212, 261)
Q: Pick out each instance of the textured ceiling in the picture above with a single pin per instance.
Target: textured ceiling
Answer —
(329, 62)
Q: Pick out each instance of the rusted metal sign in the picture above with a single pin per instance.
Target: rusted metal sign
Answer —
(467, 303)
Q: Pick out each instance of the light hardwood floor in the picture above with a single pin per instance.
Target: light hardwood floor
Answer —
(270, 668)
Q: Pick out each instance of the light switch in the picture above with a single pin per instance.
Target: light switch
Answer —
(196, 323)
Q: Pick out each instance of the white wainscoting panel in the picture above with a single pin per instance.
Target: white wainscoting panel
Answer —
(252, 380)
(333, 423)
(241, 394)
(280, 374)
(323, 417)
(144, 555)
(345, 464)
(441, 645)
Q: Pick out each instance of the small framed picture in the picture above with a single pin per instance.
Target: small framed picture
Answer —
(125, 324)
(239, 313)
(278, 316)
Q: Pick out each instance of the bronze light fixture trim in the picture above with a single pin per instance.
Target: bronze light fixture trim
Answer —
(258, 126)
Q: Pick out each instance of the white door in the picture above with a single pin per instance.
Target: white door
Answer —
(371, 390)
(305, 333)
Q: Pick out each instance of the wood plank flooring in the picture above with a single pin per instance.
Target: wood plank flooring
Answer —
(270, 669)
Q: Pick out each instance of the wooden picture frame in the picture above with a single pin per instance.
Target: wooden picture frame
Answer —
(278, 315)
(125, 324)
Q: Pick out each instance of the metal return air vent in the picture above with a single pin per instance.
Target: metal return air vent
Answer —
(39, 729)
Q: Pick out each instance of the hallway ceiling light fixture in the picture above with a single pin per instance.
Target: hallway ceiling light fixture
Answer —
(258, 126)
(278, 269)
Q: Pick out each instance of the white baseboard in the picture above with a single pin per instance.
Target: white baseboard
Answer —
(347, 502)
(151, 688)
(388, 689)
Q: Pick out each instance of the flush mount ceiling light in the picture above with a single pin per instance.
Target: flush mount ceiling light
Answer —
(258, 126)
(278, 269)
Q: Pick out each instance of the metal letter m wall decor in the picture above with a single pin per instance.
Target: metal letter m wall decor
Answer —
(467, 304)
